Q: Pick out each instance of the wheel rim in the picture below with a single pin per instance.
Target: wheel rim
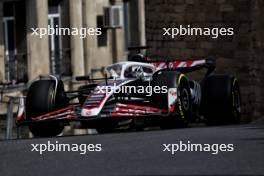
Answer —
(185, 99)
(236, 100)
(52, 99)
(237, 104)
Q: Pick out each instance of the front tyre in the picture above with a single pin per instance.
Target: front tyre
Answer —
(182, 108)
(41, 99)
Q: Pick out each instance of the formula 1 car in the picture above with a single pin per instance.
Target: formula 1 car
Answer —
(133, 94)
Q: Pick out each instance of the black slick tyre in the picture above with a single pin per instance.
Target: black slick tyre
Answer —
(41, 99)
(221, 100)
(182, 107)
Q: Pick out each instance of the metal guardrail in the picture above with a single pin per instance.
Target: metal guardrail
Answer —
(13, 100)
(9, 119)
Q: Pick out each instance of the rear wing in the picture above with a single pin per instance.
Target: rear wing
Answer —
(187, 65)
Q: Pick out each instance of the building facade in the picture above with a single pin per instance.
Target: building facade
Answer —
(24, 56)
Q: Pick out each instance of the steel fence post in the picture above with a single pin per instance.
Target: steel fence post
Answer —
(9, 120)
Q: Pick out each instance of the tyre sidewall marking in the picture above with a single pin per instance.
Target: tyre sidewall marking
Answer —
(179, 100)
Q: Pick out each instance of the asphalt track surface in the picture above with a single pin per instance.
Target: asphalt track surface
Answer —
(141, 153)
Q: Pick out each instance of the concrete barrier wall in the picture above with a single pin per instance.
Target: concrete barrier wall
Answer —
(240, 54)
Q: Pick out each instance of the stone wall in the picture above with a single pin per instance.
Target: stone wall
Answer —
(256, 55)
(240, 54)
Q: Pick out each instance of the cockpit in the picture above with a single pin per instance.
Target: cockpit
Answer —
(124, 70)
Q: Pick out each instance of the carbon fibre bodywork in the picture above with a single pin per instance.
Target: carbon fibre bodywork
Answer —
(101, 102)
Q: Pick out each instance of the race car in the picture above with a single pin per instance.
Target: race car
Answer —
(133, 94)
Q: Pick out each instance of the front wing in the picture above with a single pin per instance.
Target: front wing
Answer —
(73, 113)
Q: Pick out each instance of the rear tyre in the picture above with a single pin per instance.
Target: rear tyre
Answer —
(221, 100)
(182, 108)
(41, 99)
